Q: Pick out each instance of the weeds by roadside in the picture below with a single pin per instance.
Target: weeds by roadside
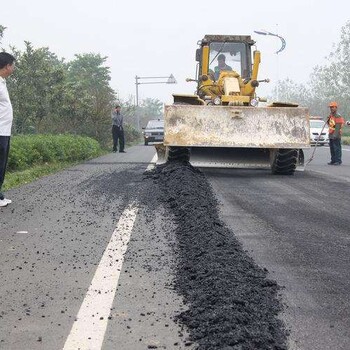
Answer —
(346, 140)
(34, 156)
(18, 178)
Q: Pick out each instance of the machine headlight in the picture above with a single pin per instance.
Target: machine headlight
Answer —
(254, 102)
(217, 101)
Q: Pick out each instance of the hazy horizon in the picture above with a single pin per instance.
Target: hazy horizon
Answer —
(151, 39)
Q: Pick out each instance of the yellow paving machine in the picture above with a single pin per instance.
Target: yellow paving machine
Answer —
(223, 125)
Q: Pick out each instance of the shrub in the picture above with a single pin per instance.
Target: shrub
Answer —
(30, 150)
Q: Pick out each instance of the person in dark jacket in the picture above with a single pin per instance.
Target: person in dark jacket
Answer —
(117, 130)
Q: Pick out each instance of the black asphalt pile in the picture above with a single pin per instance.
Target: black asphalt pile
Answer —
(231, 302)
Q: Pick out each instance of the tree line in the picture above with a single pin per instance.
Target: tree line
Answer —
(54, 96)
(328, 82)
(51, 95)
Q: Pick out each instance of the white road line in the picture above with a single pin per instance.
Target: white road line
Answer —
(152, 163)
(90, 326)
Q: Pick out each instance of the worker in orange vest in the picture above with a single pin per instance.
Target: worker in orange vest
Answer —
(335, 123)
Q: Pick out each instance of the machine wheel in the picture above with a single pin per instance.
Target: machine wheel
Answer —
(285, 161)
(179, 154)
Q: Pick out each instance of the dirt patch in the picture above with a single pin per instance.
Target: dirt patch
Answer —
(231, 302)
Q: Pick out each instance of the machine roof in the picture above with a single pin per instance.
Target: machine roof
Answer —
(227, 38)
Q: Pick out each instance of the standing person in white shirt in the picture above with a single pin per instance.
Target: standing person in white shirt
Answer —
(7, 66)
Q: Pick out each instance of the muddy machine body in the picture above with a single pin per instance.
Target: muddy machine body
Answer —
(222, 124)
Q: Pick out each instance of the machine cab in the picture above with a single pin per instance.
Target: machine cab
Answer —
(225, 53)
(226, 75)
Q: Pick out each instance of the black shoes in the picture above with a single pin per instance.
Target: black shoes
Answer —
(122, 152)
(334, 163)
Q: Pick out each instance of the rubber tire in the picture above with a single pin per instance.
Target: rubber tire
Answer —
(285, 162)
(180, 154)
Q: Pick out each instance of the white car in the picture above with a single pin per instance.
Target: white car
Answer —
(318, 132)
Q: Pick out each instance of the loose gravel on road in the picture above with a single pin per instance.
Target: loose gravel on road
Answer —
(231, 303)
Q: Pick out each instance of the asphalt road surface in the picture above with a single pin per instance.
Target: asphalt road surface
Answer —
(89, 256)
(298, 227)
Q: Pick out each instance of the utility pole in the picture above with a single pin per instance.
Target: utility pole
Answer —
(283, 46)
(150, 80)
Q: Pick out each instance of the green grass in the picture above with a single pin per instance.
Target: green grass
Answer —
(19, 178)
(35, 156)
(346, 131)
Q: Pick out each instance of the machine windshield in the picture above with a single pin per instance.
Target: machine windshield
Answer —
(228, 56)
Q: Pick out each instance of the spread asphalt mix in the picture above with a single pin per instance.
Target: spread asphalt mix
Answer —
(230, 301)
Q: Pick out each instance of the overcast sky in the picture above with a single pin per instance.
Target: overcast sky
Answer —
(151, 38)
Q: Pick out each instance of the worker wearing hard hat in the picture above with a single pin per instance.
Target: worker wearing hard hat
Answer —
(335, 123)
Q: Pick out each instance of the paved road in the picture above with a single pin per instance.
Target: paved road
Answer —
(60, 255)
(299, 229)
(63, 242)
(322, 157)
